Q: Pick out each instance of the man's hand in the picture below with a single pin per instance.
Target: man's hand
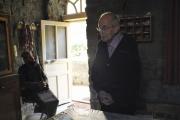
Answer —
(105, 98)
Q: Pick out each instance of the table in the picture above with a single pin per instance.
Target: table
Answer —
(82, 114)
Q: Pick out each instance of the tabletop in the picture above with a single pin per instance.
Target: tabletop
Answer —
(82, 114)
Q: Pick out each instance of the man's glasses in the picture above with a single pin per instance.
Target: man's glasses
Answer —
(104, 28)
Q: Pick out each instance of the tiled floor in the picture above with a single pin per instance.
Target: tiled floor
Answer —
(80, 93)
(81, 105)
(75, 104)
(80, 99)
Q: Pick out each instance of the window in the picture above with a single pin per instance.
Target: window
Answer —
(76, 6)
(75, 10)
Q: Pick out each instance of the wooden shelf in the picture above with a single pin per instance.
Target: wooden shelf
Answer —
(137, 27)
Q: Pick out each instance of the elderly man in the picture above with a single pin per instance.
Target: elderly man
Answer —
(116, 69)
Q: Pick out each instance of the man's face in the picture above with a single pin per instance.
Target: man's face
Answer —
(106, 28)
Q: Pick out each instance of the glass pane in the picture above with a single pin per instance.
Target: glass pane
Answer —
(78, 7)
(83, 5)
(50, 42)
(73, 1)
(61, 39)
(70, 9)
(4, 65)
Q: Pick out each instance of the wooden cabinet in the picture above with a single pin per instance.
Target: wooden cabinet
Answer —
(137, 27)
(5, 51)
(9, 98)
(9, 83)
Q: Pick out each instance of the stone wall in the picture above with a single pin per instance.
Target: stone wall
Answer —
(152, 53)
(31, 11)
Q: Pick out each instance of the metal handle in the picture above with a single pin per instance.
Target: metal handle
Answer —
(2, 87)
(50, 61)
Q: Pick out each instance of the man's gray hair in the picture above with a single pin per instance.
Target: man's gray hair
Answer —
(115, 18)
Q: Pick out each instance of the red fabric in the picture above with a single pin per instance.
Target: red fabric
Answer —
(172, 68)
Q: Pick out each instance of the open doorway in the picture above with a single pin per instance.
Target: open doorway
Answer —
(79, 60)
(65, 61)
(76, 17)
(64, 50)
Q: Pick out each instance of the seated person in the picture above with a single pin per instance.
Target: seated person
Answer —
(33, 84)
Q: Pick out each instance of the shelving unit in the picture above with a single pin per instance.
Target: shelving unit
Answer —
(137, 27)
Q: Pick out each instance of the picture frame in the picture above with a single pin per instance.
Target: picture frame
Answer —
(5, 49)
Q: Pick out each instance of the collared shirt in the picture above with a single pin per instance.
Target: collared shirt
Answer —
(114, 43)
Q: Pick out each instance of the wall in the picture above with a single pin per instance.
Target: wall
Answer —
(152, 53)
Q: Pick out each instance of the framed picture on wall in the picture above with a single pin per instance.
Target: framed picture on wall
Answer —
(5, 49)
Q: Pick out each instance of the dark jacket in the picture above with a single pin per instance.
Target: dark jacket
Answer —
(31, 77)
(120, 74)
